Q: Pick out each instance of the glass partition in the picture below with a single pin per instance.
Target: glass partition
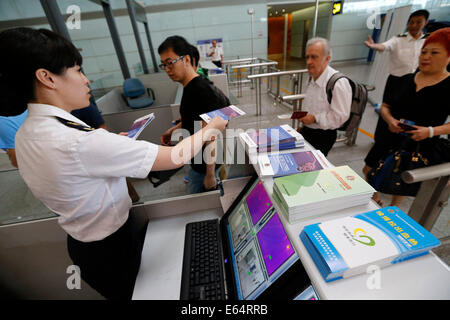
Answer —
(100, 63)
(18, 204)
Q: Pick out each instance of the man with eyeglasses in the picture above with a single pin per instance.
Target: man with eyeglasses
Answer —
(199, 96)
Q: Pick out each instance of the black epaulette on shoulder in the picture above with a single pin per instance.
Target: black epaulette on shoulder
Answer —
(402, 35)
(74, 125)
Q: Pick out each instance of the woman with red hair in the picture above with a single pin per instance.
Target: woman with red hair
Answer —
(422, 98)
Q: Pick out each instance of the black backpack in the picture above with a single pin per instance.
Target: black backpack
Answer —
(359, 100)
(222, 99)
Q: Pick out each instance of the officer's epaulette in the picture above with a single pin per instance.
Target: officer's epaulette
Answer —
(74, 125)
(402, 35)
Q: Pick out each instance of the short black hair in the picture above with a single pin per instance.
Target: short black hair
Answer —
(422, 12)
(195, 55)
(22, 52)
(178, 44)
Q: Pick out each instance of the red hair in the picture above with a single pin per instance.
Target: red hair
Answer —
(441, 36)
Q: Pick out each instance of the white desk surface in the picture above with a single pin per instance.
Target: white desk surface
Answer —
(425, 277)
(159, 277)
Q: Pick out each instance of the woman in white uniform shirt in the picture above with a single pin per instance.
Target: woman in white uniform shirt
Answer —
(76, 171)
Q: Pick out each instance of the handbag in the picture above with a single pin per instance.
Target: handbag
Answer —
(386, 176)
(437, 150)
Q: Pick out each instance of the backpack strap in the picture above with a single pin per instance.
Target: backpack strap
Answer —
(332, 81)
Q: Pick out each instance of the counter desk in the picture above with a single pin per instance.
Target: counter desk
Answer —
(425, 277)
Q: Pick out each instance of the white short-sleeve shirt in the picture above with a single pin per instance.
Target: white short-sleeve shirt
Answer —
(80, 175)
(217, 53)
(328, 116)
(404, 53)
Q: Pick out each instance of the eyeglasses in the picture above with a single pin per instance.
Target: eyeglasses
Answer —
(170, 64)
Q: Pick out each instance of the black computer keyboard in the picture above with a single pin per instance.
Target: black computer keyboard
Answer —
(202, 276)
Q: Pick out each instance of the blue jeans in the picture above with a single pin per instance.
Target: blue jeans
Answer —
(195, 184)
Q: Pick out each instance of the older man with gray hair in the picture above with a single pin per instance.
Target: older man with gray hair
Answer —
(323, 119)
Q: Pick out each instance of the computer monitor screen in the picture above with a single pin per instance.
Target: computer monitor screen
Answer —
(259, 246)
(258, 202)
(274, 253)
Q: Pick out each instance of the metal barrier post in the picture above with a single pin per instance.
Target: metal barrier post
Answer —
(294, 108)
(260, 100)
(433, 194)
(278, 88)
(252, 83)
(301, 83)
(239, 82)
(258, 96)
(269, 75)
(429, 202)
(228, 63)
(250, 78)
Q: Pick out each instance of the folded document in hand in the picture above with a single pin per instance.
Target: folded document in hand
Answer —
(139, 125)
(226, 113)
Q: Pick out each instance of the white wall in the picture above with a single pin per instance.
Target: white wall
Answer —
(100, 63)
(231, 23)
(350, 29)
(298, 25)
(347, 37)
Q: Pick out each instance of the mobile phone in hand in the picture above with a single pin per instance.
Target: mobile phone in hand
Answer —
(406, 126)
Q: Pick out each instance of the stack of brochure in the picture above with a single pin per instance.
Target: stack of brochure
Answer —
(276, 138)
(315, 193)
(347, 246)
(284, 164)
